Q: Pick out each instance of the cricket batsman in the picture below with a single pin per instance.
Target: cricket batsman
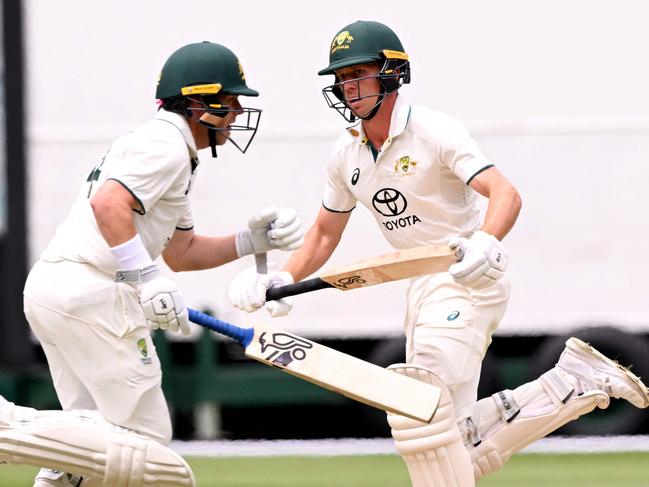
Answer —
(420, 174)
(96, 292)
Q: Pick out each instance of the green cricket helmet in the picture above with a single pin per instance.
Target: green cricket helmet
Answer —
(202, 72)
(202, 68)
(364, 42)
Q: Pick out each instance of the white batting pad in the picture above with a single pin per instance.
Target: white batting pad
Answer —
(83, 443)
(524, 416)
(434, 453)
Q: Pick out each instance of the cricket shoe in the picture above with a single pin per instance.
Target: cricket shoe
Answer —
(48, 477)
(594, 370)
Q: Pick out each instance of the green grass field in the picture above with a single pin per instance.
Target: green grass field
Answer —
(592, 470)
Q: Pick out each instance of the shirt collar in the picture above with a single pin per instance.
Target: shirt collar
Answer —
(400, 116)
(182, 125)
(398, 121)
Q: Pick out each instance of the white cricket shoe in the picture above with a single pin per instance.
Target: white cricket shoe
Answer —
(48, 477)
(594, 370)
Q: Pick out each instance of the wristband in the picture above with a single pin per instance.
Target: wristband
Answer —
(243, 243)
(131, 254)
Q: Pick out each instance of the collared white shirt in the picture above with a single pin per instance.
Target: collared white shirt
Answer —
(156, 163)
(417, 188)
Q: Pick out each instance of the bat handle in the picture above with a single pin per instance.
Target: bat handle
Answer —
(242, 335)
(261, 262)
(275, 293)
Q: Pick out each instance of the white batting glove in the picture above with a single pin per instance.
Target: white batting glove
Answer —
(162, 303)
(483, 261)
(248, 291)
(279, 307)
(271, 228)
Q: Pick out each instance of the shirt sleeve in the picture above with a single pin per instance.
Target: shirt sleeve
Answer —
(186, 222)
(460, 153)
(337, 196)
(149, 171)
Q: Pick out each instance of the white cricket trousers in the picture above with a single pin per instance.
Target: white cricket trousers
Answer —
(448, 328)
(98, 346)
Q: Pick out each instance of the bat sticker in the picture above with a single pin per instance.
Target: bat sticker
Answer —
(284, 348)
(344, 282)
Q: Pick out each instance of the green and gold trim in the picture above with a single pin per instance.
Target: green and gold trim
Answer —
(210, 89)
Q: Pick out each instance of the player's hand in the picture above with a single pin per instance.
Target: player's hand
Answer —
(162, 303)
(271, 228)
(279, 307)
(248, 291)
(483, 260)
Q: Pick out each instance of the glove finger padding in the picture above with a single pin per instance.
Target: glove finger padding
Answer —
(483, 260)
(289, 233)
(270, 228)
(286, 231)
(248, 290)
(471, 272)
(280, 307)
(457, 243)
(263, 218)
(285, 217)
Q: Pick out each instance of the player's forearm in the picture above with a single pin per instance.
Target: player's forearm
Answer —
(192, 252)
(502, 212)
(311, 256)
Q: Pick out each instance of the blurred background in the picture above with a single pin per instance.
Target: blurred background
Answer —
(555, 93)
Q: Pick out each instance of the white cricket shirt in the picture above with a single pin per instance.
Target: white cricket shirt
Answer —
(417, 189)
(156, 163)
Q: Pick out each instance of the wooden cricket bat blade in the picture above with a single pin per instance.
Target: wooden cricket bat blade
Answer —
(402, 264)
(331, 369)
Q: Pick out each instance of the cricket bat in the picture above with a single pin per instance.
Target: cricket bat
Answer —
(331, 369)
(402, 264)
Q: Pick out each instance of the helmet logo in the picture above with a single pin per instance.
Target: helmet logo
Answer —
(341, 41)
(241, 73)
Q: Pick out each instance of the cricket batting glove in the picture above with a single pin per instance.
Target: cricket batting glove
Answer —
(271, 228)
(161, 301)
(483, 260)
(248, 291)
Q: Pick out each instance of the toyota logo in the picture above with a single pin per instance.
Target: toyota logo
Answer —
(389, 202)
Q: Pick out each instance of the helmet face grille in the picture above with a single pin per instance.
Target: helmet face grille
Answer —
(391, 77)
(240, 132)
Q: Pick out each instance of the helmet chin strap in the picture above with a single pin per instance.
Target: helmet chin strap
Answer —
(208, 120)
(211, 136)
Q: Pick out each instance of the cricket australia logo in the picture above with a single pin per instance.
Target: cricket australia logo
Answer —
(349, 282)
(144, 351)
(283, 348)
(341, 41)
(404, 166)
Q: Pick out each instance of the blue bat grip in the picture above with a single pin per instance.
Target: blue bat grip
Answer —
(242, 335)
